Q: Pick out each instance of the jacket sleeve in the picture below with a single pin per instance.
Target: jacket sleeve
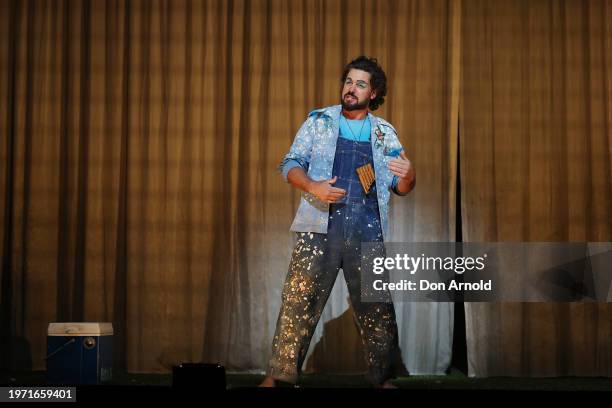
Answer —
(300, 151)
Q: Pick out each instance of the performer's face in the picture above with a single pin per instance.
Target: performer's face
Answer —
(357, 90)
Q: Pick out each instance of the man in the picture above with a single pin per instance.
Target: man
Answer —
(346, 161)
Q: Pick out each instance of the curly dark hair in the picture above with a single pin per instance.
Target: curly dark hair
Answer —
(378, 79)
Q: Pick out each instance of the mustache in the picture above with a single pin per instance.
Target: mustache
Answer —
(350, 94)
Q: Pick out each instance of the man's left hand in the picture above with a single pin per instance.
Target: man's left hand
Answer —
(401, 166)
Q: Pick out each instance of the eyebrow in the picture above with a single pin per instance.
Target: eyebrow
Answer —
(358, 81)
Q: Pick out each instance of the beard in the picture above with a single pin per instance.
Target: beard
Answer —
(353, 104)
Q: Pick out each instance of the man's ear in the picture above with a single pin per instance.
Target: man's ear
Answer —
(373, 95)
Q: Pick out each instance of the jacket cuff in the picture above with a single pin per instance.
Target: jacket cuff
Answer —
(394, 183)
(288, 165)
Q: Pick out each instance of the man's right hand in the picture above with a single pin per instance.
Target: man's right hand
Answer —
(325, 191)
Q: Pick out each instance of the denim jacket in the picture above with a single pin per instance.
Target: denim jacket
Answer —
(314, 149)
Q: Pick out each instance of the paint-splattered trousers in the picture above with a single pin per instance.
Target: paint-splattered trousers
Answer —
(315, 263)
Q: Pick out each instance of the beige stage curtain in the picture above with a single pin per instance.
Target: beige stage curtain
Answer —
(139, 141)
(536, 114)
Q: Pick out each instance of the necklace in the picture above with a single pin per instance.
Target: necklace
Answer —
(351, 130)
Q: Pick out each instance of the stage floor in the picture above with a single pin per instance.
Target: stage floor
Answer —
(456, 380)
(329, 390)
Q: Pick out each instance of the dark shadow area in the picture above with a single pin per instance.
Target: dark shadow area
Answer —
(459, 358)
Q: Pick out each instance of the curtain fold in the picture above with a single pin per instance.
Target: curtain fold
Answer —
(535, 155)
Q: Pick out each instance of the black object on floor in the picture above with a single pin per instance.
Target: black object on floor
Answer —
(197, 376)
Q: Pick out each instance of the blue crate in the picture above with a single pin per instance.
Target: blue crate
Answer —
(79, 353)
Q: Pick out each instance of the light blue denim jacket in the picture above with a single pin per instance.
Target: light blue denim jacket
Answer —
(314, 149)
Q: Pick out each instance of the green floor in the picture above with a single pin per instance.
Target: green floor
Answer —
(456, 380)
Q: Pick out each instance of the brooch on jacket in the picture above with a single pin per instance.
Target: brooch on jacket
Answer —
(380, 137)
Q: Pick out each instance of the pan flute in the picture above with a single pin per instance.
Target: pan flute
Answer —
(366, 176)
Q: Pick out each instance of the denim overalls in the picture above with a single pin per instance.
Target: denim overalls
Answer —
(315, 263)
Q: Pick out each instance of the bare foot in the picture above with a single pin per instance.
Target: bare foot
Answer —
(387, 384)
(268, 382)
